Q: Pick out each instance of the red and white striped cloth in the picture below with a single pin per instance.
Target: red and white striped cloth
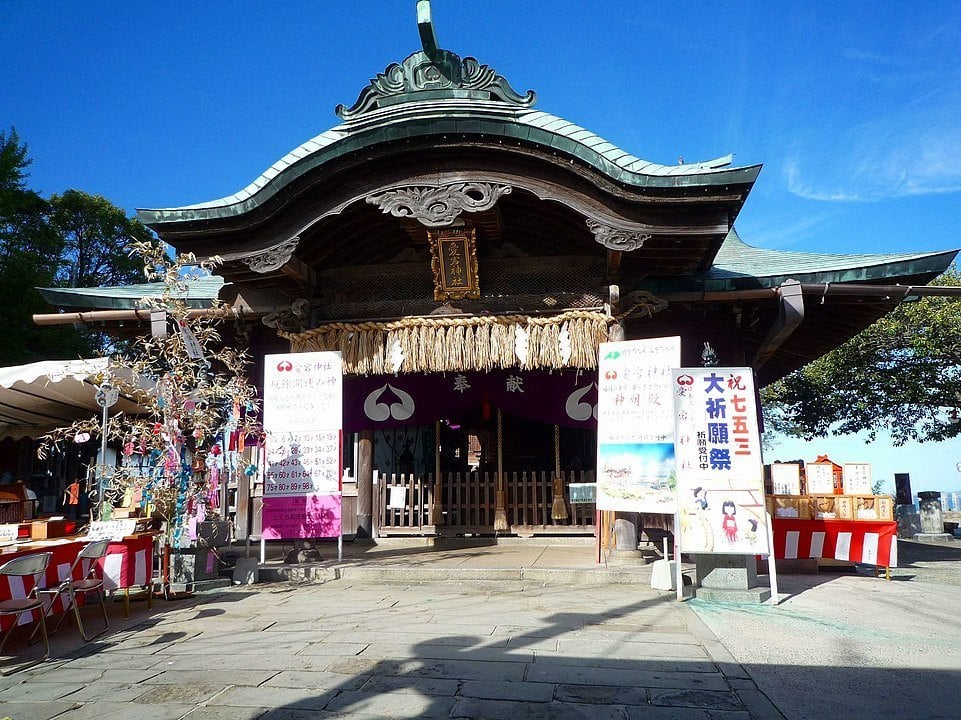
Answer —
(64, 553)
(128, 563)
(861, 541)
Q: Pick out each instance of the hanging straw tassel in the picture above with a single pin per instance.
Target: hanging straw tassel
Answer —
(558, 506)
(500, 499)
(482, 347)
(470, 362)
(455, 348)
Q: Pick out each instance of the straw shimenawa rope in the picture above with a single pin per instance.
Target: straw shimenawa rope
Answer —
(439, 344)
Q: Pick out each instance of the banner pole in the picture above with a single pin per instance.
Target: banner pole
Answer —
(771, 564)
(678, 571)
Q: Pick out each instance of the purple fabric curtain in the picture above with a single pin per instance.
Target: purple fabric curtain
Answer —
(386, 401)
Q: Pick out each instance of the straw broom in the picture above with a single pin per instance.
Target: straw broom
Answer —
(558, 506)
(500, 502)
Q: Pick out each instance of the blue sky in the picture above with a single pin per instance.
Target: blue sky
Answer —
(854, 108)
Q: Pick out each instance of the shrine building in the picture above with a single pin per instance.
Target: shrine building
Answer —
(467, 252)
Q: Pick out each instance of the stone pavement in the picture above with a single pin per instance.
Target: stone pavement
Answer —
(851, 646)
(478, 650)
(854, 646)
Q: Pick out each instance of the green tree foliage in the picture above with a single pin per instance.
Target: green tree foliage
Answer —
(95, 234)
(30, 257)
(73, 239)
(901, 375)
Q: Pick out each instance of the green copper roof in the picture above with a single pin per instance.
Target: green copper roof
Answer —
(201, 293)
(434, 92)
(737, 259)
(447, 117)
(739, 266)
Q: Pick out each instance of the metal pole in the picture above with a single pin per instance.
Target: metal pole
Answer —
(103, 464)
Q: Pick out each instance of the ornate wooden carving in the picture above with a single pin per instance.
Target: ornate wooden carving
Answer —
(439, 206)
(273, 258)
(615, 238)
(293, 318)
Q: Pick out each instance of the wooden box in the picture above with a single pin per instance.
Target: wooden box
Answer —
(885, 505)
(43, 529)
(789, 506)
(873, 507)
(832, 507)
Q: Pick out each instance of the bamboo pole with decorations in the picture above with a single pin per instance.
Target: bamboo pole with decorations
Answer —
(558, 507)
(500, 501)
(437, 507)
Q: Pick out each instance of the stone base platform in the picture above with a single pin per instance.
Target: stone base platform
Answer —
(933, 537)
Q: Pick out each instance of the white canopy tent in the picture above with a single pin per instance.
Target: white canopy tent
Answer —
(41, 396)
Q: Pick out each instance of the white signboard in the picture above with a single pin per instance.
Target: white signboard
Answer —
(303, 417)
(9, 532)
(786, 478)
(635, 425)
(857, 478)
(298, 463)
(302, 391)
(720, 475)
(820, 478)
(115, 530)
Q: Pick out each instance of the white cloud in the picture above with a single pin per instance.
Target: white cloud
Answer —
(913, 149)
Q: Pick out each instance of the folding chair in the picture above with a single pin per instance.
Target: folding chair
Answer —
(34, 565)
(90, 583)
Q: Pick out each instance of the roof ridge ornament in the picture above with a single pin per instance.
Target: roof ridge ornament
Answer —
(433, 73)
(425, 25)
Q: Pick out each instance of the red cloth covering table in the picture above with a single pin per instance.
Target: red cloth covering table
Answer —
(861, 541)
(128, 563)
(64, 553)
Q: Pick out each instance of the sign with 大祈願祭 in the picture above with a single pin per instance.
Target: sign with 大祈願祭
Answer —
(720, 476)
(303, 410)
(635, 425)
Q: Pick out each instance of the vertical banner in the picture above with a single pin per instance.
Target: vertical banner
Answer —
(303, 417)
(720, 476)
(635, 425)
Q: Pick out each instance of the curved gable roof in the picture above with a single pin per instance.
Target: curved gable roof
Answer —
(396, 107)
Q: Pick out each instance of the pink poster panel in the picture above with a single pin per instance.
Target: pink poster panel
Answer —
(302, 516)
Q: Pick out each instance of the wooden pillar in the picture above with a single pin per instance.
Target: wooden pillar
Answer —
(437, 507)
(365, 483)
(626, 530)
(616, 331)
